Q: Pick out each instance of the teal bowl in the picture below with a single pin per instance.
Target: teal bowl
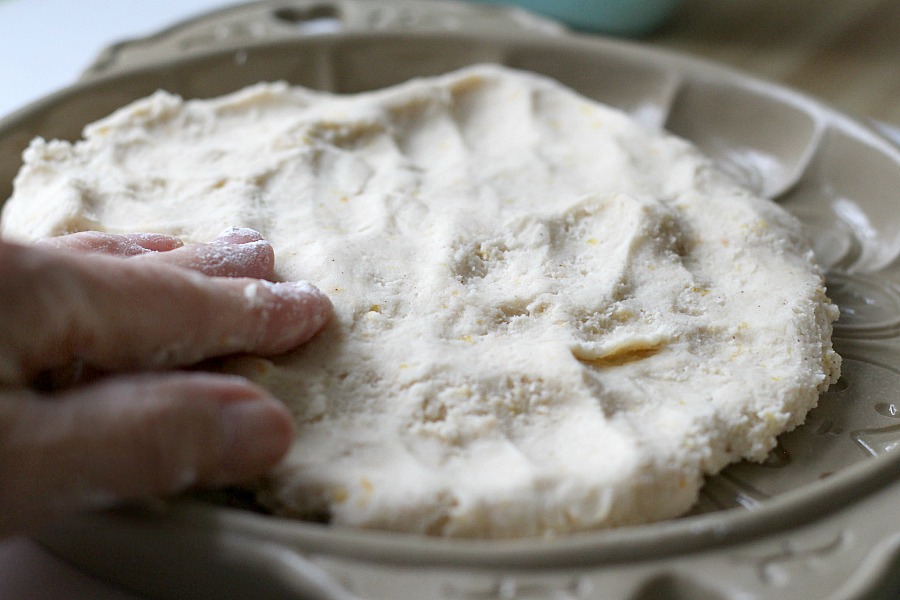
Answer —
(615, 17)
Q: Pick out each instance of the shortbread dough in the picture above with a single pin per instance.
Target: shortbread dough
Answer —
(549, 318)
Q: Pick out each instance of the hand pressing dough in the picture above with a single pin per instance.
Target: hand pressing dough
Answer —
(549, 318)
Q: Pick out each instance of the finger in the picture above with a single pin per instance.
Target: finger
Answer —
(118, 314)
(131, 244)
(234, 253)
(133, 437)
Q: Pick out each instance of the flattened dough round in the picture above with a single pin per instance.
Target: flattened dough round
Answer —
(549, 318)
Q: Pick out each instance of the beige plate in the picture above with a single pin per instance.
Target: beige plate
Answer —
(820, 519)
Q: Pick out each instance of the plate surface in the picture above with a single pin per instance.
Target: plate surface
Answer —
(820, 518)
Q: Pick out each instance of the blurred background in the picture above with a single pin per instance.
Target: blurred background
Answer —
(845, 53)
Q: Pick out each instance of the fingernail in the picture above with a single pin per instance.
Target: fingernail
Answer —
(257, 433)
(238, 235)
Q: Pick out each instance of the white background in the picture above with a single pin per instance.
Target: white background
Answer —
(45, 44)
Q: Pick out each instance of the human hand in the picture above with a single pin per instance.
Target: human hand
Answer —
(126, 308)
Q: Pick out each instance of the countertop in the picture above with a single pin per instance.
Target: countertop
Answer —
(844, 53)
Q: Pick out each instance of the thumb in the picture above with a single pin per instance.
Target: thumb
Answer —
(132, 437)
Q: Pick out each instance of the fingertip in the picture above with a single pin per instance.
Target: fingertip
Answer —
(248, 254)
(257, 433)
(307, 295)
(138, 436)
(317, 305)
(253, 258)
(154, 242)
(300, 310)
(238, 235)
(251, 430)
(248, 430)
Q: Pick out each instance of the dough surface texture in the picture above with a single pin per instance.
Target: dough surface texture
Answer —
(549, 318)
